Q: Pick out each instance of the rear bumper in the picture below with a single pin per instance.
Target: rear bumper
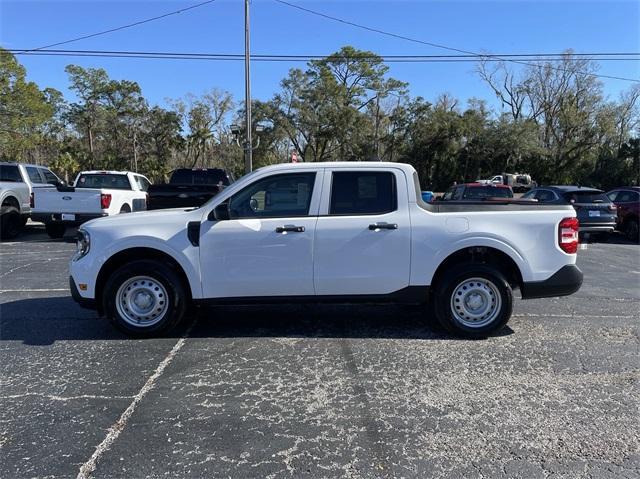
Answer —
(567, 280)
(597, 227)
(88, 303)
(57, 218)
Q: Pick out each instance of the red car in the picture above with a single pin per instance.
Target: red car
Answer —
(478, 192)
(627, 199)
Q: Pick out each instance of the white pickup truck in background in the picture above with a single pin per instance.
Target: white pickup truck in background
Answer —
(94, 194)
(17, 184)
(343, 231)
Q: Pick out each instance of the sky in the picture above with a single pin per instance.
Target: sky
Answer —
(499, 27)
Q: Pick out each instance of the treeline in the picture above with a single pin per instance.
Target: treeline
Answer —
(555, 123)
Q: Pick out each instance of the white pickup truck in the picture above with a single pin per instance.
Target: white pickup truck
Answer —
(17, 184)
(94, 194)
(316, 232)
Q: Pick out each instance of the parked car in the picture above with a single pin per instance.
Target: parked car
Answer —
(338, 231)
(519, 182)
(188, 187)
(477, 192)
(596, 212)
(17, 183)
(94, 194)
(627, 199)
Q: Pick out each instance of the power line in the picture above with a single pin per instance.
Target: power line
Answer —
(122, 27)
(617, 56)
(435, 45)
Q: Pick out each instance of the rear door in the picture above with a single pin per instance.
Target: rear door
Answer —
(363, 234)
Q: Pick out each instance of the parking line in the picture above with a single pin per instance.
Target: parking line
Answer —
(114, 431)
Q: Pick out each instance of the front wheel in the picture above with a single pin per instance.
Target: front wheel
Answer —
(145, 298)
(632, 231)
(473, 300)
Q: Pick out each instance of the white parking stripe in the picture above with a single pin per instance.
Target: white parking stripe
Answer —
(114, 431)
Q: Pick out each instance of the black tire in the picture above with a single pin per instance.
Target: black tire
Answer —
(491, 284)
(10, 222)
(173, 311)
(631, 229)
(55, 230)
(125, 209)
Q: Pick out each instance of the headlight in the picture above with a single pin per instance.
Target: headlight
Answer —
(83, 244)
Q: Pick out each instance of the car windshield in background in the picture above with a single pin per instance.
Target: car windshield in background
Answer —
(487, 192)
(115, 182)
(199, 177)
(586, 196)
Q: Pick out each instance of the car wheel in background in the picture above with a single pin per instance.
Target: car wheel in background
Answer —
(125, 209)
(631, 229)
(55, 230)
(10, 222)
(145, 298)
(473, 300)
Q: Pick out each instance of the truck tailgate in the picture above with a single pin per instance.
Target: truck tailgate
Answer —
(82, 200)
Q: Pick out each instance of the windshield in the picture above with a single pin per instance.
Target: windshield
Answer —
(102, 180)
(480, 192)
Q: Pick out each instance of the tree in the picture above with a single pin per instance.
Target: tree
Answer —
(24, 110)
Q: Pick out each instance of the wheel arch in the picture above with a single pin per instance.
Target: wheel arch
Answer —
(133, 254)
(485, 255)
(11, 200)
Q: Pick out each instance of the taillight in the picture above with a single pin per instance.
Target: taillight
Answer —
(568, 235)
(32, 201)
(105, 201)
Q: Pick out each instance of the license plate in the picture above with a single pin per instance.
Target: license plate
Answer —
(68, 217)
(594, 213)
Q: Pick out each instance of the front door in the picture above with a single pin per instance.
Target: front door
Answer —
(265, 248)
(363, 235)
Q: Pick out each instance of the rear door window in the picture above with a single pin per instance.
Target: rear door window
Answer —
(10, 173)
(627, 197)
(363, 193)
(544, 196)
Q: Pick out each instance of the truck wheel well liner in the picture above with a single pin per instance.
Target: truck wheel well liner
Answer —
(481, 255)
(135, 254)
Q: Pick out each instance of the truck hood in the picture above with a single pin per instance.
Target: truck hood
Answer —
(142, 220)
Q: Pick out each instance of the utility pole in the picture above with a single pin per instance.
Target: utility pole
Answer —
(248, 146)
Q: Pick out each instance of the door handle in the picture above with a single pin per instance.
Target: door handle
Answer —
(383, 226)
(290, 229)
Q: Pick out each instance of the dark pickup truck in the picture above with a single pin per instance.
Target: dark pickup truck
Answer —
(188, 187)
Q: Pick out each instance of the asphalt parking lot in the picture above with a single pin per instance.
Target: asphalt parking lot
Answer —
(310, 391)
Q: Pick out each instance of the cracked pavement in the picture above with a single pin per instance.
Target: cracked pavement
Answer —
(320, 391)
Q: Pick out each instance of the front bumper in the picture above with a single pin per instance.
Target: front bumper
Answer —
(88, 303)
(567, 280)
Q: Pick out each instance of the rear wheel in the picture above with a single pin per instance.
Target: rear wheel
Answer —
(125, 209)
(10, 222)
(55, 230)
(473, 300)
(631, 229)
(145, 298)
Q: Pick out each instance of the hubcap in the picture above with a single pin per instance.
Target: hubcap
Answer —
(475, 302)
(142, 301)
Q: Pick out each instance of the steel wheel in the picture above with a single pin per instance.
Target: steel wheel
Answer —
(142, 301)
(475, 302)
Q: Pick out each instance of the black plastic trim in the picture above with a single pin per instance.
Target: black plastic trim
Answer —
(408, 295)
(193, 232)
(567, 280)
(87, 303)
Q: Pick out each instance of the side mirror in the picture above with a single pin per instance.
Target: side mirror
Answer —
(219, 213)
